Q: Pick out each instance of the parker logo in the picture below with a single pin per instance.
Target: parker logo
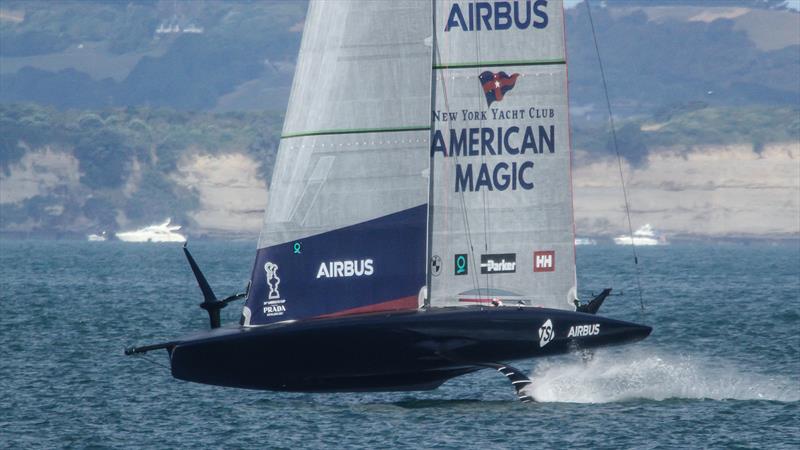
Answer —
(345, 269)
(499, 263)
(584, 330)
(546, 333)
(460, 263)
(544, 261)
(274, 305)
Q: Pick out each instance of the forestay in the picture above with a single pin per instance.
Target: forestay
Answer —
(500, 155)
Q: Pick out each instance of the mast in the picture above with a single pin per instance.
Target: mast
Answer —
(429, 231)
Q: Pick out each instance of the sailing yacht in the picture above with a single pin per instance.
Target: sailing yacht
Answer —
(420, 222)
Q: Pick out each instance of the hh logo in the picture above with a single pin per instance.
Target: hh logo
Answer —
(544, 261)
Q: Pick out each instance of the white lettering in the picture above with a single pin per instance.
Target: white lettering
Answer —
(584, 330)
(345, 269)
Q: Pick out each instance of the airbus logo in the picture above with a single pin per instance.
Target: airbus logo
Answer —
(584, 330)
(344, 269)
(500, 15)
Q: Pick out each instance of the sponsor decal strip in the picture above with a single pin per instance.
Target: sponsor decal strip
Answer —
(354, 131)
(544, 62)
(404, 303)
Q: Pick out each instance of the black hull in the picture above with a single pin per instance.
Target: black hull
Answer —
(386, 352)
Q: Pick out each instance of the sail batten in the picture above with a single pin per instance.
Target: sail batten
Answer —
(472, 65)
(355, 131)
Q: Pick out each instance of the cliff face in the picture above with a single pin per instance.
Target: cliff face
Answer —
(711, 191)
(79, 172)
(707, 191)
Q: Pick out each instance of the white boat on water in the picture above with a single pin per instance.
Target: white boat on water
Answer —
(585, 241)
(163, 232)
(97, 237)
(643, 236)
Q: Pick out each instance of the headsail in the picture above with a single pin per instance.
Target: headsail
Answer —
(344, 229)
(502, 191)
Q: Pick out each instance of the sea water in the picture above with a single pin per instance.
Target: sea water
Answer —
(721, 369)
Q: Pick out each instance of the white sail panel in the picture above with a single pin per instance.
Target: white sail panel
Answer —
(362, 67)
(344, 228)
(502, 191)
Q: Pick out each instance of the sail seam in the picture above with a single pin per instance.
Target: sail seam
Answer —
(553, 62)
(354, 131)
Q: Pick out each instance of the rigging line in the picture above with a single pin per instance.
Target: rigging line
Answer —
(619, 158)
(144, 357)
(462, 201)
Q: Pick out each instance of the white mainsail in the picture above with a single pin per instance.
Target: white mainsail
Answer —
(349, 186)
(502, 191)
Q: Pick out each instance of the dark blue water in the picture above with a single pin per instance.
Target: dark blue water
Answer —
(721, 369)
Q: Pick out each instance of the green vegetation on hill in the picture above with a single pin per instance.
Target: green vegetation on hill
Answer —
(650, 62)
(240, 41)
(112, 146)
(691, 126)
(108, 143)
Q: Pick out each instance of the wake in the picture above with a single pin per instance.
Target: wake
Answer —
(614, 377)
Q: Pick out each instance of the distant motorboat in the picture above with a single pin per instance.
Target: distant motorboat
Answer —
(163, 232)
(585, 241)
(97, 237)
(643, 236)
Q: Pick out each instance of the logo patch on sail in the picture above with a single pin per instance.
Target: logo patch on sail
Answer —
(495, 85)
(461, 267)
(546, 333)
(274, 305)
(544, 261)
(499, 263)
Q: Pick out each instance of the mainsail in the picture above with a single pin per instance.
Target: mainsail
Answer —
(502, 193)
(414, 157)
(344, 230)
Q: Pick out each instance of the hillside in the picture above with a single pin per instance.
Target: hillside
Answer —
(74, 172)
(240, 55)
(119, 114)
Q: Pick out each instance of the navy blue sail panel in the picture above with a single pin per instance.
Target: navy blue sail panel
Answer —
(370, 266)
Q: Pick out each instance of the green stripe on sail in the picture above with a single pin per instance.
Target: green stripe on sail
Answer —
(354, 131)
(545, 62)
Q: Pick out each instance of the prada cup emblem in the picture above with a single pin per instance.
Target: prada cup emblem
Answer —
(546, 333)
(272, 279)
